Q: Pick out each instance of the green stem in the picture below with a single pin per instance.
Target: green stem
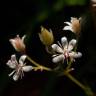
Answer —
(38, 65)
(86, 89)
(69, 65)
(75, 81)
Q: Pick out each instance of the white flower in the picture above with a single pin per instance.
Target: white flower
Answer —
(18, 43)
(19, 67)
(73, 25)
(64, 50)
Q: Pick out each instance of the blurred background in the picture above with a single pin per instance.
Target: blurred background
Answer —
(26, 18)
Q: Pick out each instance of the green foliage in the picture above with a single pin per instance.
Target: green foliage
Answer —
(75, 2)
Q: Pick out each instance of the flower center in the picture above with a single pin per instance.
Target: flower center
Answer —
(66, 53)
(19, 71)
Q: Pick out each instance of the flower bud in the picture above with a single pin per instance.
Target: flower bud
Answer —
(18, 43)
(76, 26)
(46, 36)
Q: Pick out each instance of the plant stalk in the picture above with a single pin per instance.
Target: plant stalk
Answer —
(38, 65)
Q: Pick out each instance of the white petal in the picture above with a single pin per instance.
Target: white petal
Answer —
(15, 77)
(68, 28)
(75, 55)
(57, 48)
(13, 57)
(23, 38)
(22, 59)
(11, 64)
(71, 45)
(55, 55)
(13, 42)
(58, 58)
(27, 68)
(80, 18)
(64, 42)
(68, 23)
(78, 55)
(72, 19)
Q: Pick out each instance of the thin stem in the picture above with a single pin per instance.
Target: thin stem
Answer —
(69, 64)
(48, 49)
(85, 88)
(65, 71)
(75, 81)
(38, 65)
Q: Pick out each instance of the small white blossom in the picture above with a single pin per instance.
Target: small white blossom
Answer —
(19, 67)
(64, 50)
(18, 43)
(73, 25)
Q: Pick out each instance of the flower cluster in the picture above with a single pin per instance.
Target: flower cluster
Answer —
(61, 52)
(64, 51)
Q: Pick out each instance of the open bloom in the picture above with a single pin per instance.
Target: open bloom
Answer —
(73, 25)
(46, 36)
(18, 43)
(64, 50)
(19, 67)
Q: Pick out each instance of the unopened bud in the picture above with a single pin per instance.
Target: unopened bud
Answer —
(46, 36)
(18, 43)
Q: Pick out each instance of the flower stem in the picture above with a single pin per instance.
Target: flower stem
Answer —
(75, 80)
(38, 65)
(86, 89)
(69, 64)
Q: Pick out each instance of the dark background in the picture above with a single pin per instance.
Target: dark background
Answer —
(26, 18)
